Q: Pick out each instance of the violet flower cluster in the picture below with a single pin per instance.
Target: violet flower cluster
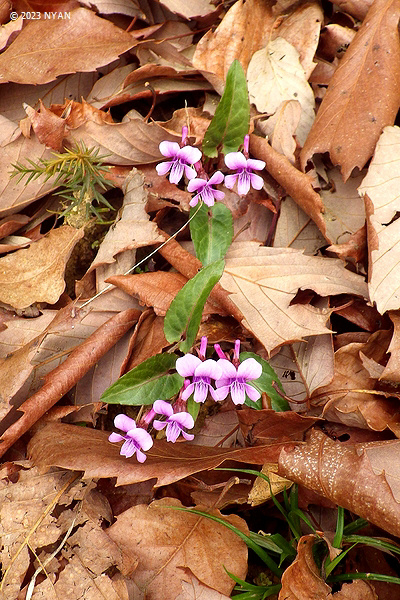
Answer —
(186, 160)
(202, 377)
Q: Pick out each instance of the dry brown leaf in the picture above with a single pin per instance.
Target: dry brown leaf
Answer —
(190, 10)
(357, 8)
(165, 541)
(364, 478)
(10, 224)
(122, 7)
(195, 590)
(275, 75)
(266, 426)
(36, 274)
(304, 367)
(357, 106)
(47, 48)
(302, 579)
(9, 31)
(262, 282)
(298, 185)
(281, 128)
(238, 36)
(392, 369)
(84, 449)
(48, 127)
(380, 187)
(147, 340)
(59, 381)
(295, 229)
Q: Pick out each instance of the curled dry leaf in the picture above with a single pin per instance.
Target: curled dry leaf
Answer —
(83, 449)
(47, 48)
(357, 106)
(392, 369)
(166, 541)
(190, 10)
(48, 127)
(302, 579)
(36, 274)
(363, 478)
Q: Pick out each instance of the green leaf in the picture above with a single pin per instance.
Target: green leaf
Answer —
(184, 313)
(264, 384)
(212, 232)
(146, 383)
(231, 120)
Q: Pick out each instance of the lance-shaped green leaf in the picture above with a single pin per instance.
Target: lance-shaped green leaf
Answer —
(146, 383)
(231, 120)
(264, 384)
(212, 232)
(184, 314)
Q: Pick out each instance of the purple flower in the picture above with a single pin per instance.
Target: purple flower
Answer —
(245, 176)
(135, 440)
(202, 373)
(234, 380)
(181, 159)
(174, 422)
(204, 189)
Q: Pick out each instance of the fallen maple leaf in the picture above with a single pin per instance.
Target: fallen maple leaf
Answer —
(356, 107)
(36, 274)
(364, 478)
(47, 48)
(262, 282)
(166, 541)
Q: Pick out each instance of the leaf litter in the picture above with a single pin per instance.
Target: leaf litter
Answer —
(309, 284)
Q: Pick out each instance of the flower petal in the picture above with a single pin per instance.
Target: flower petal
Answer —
(235, 160)
(256, 165)
(163, 408)
(188, 391)
(218, 195)
(115, 437)
(208, 368)
(188, 436)
(196, 185)
(250, 369)
(252, 393)
(221, 393)
(169, 149)
(189, 172)
(128, 449)
(183, 419)
(216, 178)
(124, 422)
(141, 437)
(256, 181)
(208, 196)
(194, 201)
(230, 181)
(189, 154)
(140, 456)
(159, 424)
(244, 183)
(200, 392)
(237, 394)
(228, 370)
(176, 172)
(186, 365)
(164, 167)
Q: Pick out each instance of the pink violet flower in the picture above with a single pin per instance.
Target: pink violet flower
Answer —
(204, 189)
(180, 161)
(135, 440)
(244, 168)
(175, 423)
(235, 376)
(201, 372)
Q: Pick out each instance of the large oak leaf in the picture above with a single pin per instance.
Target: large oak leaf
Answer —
(363, 95)
(263, 282)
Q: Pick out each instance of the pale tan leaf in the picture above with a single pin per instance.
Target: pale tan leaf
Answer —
(190, 10)
(75, 86)
(121, 7)
(165, 540)
(301, 29)
(8, 30)
(36, 274)
(356, 106)
(195, 590)
(48, 48)
(263, 282)
(281, 127)
(392, 369)
(380, 187)
(364, 478)
(238, 36)
(295, 229)
(275, 75)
